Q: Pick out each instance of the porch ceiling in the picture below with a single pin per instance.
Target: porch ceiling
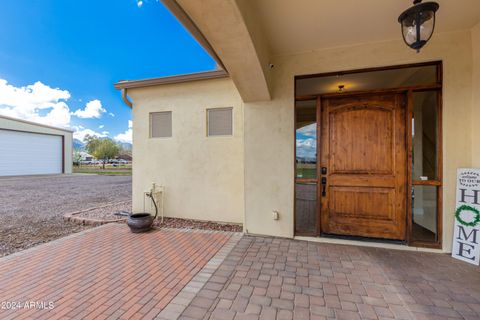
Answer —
(246, 34)
(304, 25)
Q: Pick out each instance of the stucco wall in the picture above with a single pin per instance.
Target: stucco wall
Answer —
(203, 175)
(269, 126)
(476, 97)
(11, 124)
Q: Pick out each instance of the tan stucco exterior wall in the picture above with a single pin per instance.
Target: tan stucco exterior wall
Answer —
(269, 126)
(203, 176)
(476, 97)
(19, 125)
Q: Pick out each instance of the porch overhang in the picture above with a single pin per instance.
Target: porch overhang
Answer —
(235, 37)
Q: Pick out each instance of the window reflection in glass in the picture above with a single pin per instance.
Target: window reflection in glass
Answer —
(424, 135)
(305, 208)
(306, 139)
(424, 208)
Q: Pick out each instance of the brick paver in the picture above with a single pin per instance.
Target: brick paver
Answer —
(271, 278)
(108, 272)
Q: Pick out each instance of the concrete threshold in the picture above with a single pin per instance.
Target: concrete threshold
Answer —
(368, 244)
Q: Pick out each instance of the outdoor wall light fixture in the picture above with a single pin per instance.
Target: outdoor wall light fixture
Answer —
(418, 23)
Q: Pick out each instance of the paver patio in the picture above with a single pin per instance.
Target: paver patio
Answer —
(108, 272)
(271, 278)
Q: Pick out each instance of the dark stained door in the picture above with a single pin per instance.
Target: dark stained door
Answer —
(364, 152)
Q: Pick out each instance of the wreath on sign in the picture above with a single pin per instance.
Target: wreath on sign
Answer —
(474, 222)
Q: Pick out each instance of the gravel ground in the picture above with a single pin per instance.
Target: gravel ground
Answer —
(195, 224)
(107, 212)
(32, 208)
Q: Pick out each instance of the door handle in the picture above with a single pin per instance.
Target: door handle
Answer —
(324, 186)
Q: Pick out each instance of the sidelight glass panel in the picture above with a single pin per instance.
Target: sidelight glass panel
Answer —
(424, 135)
(424, 209)
(306, 139)
(306, 208)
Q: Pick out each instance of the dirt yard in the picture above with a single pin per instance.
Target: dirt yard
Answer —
(32, 208)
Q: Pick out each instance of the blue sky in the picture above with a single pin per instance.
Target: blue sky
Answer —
(59, 59)
(306, 141)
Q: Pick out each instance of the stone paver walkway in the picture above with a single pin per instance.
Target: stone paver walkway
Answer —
(109, 272)
(271, 278)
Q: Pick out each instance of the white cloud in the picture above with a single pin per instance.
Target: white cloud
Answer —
(101, 126)
(125, 137)
(81, 132)
(111, 114)
(307, 143)
(309, 130)
(306, 148)
(43, 104)
(93, 109)
(34, 95)
(36, 102)
(139, 3)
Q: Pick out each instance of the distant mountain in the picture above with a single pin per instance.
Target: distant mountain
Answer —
(78, 145)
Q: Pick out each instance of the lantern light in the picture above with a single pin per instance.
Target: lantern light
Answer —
(418, 23)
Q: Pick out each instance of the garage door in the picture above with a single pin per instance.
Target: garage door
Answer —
(24, 153)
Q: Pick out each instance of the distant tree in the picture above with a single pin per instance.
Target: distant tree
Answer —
(102, 149)
(77, 157)
(125, 150)
(91, 143)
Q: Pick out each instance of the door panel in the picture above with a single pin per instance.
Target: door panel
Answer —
(359, 146)
(363, 149)
(362, 203)
(25, 153)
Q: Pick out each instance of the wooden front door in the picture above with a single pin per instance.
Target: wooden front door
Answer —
(363, 160)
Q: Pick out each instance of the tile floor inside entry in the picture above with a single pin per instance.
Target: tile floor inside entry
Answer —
(110, 273)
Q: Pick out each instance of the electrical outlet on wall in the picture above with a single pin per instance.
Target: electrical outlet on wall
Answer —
(276, 215)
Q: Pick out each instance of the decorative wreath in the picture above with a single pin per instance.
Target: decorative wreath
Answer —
(474, 222)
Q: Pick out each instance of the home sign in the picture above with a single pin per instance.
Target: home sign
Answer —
(466, 235)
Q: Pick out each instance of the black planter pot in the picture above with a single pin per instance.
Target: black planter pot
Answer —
(140, 222)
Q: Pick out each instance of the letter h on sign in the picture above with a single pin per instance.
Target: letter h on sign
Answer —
(474, 196)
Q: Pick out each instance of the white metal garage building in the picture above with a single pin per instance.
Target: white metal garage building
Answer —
(28, 148)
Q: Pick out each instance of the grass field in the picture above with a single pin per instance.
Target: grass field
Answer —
(108, 171)
(306, 173)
